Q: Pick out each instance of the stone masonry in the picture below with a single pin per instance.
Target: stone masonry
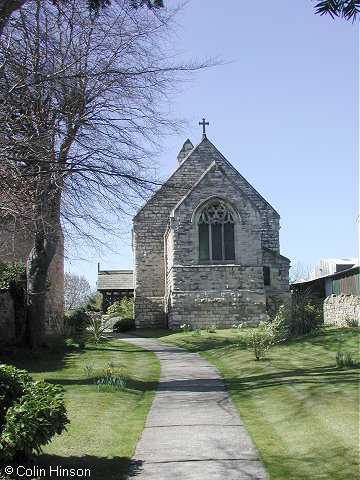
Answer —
(172, 286)
(16, 244)
(342, 310)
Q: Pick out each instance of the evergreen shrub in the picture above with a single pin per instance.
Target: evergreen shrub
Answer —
(77, 321)
(124, 325)
(124, 308)
(30, 415)
(301, 315)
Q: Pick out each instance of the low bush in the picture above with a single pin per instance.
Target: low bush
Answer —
(95, 303)
(77, 321)
(211, 328)
(124, 308)
(124, 325)
(299, 316)
(31, 413)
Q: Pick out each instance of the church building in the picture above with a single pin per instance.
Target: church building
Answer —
(206, 247)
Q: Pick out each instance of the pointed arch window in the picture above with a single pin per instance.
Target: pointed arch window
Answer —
(216, 233)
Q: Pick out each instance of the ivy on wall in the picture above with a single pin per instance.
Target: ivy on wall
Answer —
(12, 274)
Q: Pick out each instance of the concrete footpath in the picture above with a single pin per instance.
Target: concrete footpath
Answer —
(192, 430)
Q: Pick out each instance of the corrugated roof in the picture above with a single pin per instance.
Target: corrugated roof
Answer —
(115, 280)
(353, 269)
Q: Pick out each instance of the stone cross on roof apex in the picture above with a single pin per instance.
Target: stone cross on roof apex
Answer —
(203, 123)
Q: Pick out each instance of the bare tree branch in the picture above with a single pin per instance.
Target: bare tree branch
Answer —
(83, 105)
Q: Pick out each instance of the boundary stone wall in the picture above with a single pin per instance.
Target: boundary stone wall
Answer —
(339, 309)
(16, 244)
(7, 317)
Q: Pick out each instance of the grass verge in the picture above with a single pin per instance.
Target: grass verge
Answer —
(301, 411)
(104, 425)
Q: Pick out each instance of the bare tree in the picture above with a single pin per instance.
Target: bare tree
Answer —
(300, 271)
(8, 7)
(82, 112)
(77, 291)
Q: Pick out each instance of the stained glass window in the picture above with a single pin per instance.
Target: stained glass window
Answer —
(216, 233)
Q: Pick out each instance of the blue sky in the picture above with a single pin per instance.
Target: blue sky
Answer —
(283, 109)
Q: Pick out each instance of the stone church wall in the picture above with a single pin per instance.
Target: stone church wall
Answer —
(217, 294)
(149, 227)
(278, 292)
(154, 287)
(203, 294)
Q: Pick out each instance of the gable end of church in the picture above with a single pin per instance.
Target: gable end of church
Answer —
(206, 247)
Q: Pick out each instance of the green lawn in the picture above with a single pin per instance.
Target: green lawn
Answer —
(105, 425)
(301, 411)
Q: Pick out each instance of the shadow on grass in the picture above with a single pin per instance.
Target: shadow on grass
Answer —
(326, 337)
(96, 468)
(329, 375)
(35, 361)
(138, 385)
(56, 356)
(311, 377)
(338, 463)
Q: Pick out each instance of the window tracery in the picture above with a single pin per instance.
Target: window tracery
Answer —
(216, 233)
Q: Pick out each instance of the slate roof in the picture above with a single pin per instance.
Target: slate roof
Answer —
(115, 280)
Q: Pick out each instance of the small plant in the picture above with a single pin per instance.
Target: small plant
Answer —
(70, 342)
(260, 340)
(111, 378)
(345, 359)
(196, 332)
(185, 328)
(237, 327)
(88, 369)
(96, 330)
(347, 321)
(211, 328)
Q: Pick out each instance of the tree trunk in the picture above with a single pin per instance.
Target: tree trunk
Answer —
(37, 282)
(46, 239)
